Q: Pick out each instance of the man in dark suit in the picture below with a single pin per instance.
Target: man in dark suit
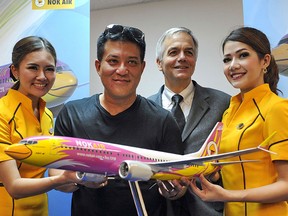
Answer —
(176, 52)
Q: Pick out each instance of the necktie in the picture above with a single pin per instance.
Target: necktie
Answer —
(177, 111)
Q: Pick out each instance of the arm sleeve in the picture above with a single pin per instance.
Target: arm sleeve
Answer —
(277, 120)
(63, 123)
(4, 138)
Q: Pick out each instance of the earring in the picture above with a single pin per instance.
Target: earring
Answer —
(264, 70)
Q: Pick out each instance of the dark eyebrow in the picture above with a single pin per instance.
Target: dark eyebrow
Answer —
(176, 48)
(190, 49)
(172, 48)
(35, 64)
(112, 56)
(238, 51)
(134, 57)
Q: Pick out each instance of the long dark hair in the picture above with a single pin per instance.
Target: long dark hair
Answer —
(259, 42)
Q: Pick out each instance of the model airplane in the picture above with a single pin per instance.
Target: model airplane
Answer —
(280, 54)
(130, 163)
(63, 88)
(6, 82)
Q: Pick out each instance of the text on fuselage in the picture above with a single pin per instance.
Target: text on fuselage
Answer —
(87, 144)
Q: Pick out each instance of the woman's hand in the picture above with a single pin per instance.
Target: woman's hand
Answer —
(73, 181)
(209, 192)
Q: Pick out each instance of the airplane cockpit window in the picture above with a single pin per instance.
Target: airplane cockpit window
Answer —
(28, 142)
(6, 80)
(59, 69)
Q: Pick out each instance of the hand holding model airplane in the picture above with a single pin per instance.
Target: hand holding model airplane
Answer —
(95, 159)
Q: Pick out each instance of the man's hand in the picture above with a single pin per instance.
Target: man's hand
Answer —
(171, 189)
(91, 184)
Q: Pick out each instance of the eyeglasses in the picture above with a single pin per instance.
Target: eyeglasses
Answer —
(115, 29)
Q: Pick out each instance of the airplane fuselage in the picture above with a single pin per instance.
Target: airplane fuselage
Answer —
(99, 157)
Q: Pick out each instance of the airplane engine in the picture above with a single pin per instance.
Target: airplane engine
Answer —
(90, 177)
(135, 171)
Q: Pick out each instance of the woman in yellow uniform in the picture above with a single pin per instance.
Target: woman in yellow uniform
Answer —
(252, 188)
(24, 113)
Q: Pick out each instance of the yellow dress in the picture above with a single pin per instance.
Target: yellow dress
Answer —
(246, 124)
(17, 121)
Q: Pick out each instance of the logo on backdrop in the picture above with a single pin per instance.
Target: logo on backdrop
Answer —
(52, 4)
(39, 3)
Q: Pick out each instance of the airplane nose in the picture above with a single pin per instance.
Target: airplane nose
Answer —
(18, 151)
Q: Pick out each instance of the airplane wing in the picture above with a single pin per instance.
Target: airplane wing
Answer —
(200, 160)
(175, 169)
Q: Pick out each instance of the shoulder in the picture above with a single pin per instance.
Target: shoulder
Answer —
(4, 103)
(83, 102)
(11, 99)
(276, 102)
(157, 96)
(211, 91)
(152, 108)
(212, 96)
(151, 104)
(215, 100)
(156, 114)
(10, 102)
(153, 97)
(77, 107)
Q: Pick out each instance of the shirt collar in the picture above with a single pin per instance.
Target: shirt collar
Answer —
(187, 95)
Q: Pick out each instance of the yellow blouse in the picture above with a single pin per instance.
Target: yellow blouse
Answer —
(17, 121)
(246, 123)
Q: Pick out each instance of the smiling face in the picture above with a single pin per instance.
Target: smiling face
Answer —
(242, 66)
(120, 70)
(179, 60)
(36, 74)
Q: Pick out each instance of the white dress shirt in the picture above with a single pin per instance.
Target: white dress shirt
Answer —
(187, 94)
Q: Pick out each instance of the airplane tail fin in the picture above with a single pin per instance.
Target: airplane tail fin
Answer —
(211, 144)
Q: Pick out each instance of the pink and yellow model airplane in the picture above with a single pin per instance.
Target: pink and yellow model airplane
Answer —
(129, 163)
(280, 53)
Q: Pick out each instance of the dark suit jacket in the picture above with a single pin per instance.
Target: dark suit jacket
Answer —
(207, 108)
